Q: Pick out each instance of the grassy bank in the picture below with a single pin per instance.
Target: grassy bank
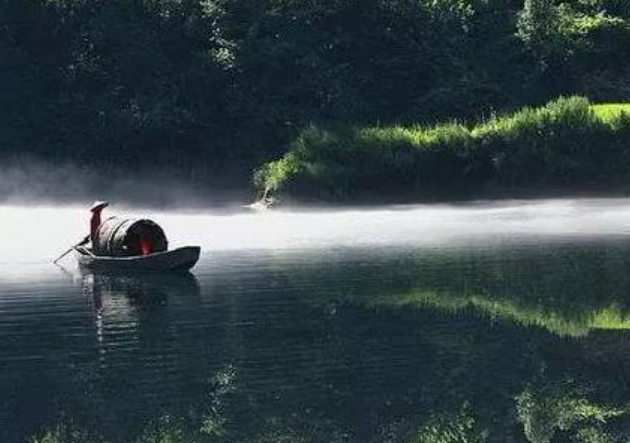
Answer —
(568, 144)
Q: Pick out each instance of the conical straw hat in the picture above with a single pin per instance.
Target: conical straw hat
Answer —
(99, 204)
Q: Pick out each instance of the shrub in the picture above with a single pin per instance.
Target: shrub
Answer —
(568, 142)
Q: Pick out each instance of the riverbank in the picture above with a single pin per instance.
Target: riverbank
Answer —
(569, 146)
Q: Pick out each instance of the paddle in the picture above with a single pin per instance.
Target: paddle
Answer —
(81, 243)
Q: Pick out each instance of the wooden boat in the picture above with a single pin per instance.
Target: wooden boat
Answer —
(181, 259)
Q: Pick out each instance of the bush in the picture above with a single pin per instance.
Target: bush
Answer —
(567, 143)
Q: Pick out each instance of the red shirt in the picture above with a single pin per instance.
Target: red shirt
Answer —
(95, 222)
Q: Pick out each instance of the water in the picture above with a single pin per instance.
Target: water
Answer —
(504, 322)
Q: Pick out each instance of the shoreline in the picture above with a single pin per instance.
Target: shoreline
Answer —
(368, 200)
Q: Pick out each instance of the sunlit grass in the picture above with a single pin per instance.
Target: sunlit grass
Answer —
(611, 111)
(567, 143)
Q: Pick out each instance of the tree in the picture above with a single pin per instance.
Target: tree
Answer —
(544, 28)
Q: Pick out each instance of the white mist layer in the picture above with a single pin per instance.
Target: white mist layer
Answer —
(30, 234)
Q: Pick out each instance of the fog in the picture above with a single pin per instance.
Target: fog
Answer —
(40, 233)
(35, 182)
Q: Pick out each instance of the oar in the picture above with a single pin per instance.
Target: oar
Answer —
(81, 243)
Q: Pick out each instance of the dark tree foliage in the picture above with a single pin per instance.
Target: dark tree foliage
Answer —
(211, 89)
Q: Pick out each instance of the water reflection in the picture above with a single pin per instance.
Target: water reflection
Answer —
(133, 298)
(569, 287)
(505, 342)
(124, 292)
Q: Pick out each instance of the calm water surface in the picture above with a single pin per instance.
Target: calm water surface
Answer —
(504, 322)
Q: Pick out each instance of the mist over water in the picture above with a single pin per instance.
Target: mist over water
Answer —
(33, 236)
(32, 233)
(34, 182)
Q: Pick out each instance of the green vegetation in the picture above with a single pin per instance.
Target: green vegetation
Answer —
(611, 111)
(210, 90)
(566, 144)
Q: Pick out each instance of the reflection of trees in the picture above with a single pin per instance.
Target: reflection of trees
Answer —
(454, 428)
(132, 328)
(550, 408)
(327, 349)
(506, 308)
(328, 374)
(64, 433)
(568, 289)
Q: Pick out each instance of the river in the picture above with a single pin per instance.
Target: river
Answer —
(481, 322)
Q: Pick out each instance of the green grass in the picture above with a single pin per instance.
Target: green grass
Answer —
(611, 111)
(568, 143)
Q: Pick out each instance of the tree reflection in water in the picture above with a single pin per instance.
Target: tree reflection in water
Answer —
(519, 345)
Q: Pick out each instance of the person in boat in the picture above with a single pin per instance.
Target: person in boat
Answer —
(95, 220)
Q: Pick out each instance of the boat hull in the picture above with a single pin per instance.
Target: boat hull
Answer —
(181, 259)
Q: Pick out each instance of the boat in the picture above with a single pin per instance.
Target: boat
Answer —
(181, 259)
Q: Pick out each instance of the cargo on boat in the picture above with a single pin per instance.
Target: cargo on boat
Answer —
(121, 237)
